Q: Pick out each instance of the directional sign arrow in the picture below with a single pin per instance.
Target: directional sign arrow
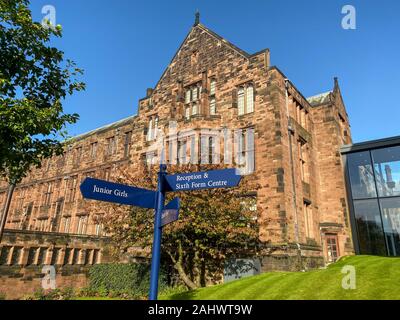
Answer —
(117, 193)
(171, 212)
(226, 178)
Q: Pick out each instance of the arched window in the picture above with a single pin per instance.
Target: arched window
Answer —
(245, 99)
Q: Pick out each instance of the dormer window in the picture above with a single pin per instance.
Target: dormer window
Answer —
(245, 99)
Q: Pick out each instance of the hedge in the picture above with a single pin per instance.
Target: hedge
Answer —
(131, 279)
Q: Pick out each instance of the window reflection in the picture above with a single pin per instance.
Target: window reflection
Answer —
(387, 171)
(391, 224)
(361, 176)
(369, 227)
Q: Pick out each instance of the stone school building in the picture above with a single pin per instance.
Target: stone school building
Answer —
(209, 84)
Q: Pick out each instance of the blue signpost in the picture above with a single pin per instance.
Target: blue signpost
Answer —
(118, 193)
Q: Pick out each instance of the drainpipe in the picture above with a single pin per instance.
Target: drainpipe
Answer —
(290, 131)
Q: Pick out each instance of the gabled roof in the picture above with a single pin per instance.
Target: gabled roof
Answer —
(214, 35)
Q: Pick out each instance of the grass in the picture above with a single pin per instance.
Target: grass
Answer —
(377, 278)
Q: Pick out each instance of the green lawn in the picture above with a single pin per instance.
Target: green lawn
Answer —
(376, 278)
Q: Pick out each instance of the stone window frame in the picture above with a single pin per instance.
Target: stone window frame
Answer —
(127, 143)
(93, 149)
(308, 219)
(191, 100)
(244, 88)
(303, 156)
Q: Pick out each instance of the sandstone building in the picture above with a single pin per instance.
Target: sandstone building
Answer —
(209, 84)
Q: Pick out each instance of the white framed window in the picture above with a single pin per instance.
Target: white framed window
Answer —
(213, 110)
(82, 225)
(66, 224)
(212, 87)
(194, 109)
(241, 101)
(188, 96)
(187, 113)
(244, 149)
(249, 99)
(194, 93)
(245, 99)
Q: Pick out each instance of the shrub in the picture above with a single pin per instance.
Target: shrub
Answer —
(123, 280)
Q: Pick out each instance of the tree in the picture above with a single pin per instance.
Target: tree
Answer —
(34, 81)
(213, 226)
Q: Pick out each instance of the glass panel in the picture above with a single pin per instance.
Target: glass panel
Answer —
(361, 176)
(250, 99)
(369, 227)
(391, 224)
(387, 170)
(241, 101)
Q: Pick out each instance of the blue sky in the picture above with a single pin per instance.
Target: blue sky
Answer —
(124, 46)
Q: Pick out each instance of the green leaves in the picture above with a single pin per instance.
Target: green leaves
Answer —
(34, 81)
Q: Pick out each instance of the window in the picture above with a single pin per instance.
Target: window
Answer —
(308, 220)
(332, 248)
(42, 224)
(66, 224)
(361, 175)
(127, 143)
(212, 107)
(241, 101)
(387, 171)
(244, 145)
(187, 96)
(303, 153)
(249, 99)
(192, 96)
(391, 224)
(93, 150)
(369, 227)
(111, 146)
(212, 87)
(301, 115)
(152, 129)
(182, 149)
(194, 109)
(48, 194)
(82, 225)
(98, 229)
(187, 113)
(4, 255)
(78, 155)
(72, 185)
(245, 99)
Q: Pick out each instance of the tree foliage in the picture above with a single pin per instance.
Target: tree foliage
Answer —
(214, 225)
(34, 81)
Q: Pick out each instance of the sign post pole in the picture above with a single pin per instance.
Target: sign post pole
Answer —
(156, 250)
